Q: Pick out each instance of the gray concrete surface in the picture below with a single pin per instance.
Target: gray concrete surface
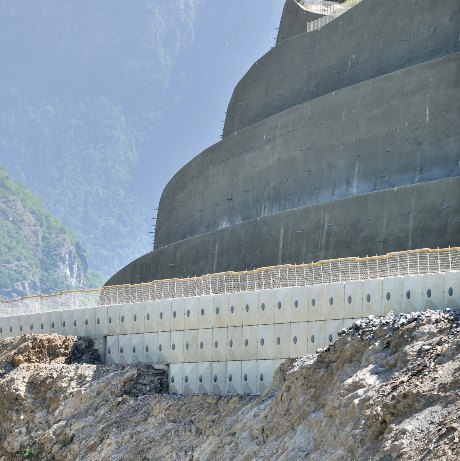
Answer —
(294, 21)
(395, 130)
(373, 38)
(416, 216)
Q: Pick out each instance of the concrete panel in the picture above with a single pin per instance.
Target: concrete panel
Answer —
(392, 292)
(316, 336)
(335, 301)
(332, 328)
(267, 301)
(412, 293)
(206, 314)
(15, 326)
(250, 308)
(235, 309)
(204, 345)
(84, 322)
(249, 376)
(452, 290)
(234, 342)
(282, 341)
(126, 319)
(432, 291)
(138, 318)
(67, 323)
(113, 320)
(190, 378)
(24, 324)
(299, 339)
(283, 305)
(204, 372)
(56, 322)
(266, 347)
(75, 326)
(192, 307)
(176, 378)
(125, 349)
(164, 315)
(178, 314)
(4, 327)
(102, 326)
(35, 324)
(151, 317)
(219, 311)
(190, 345)
(45, 322)
(164, 347)
(234, 385)
(138, 348)
(250, 343)
(265, 370)
(177, 346)
(353, 300)
(299, 305)
(219, 378)
(219, 344)
(372, 297)
(113, 355)
(151, 348)
(317, 306)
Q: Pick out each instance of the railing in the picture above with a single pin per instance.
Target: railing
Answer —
(330, 10)
(414, 262)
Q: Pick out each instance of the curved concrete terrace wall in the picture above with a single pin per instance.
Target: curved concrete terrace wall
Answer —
(391, 131)
(373, 38)
(417, 216)
(294, 21)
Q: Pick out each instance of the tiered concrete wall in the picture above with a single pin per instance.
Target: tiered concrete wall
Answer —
(425, 215)
(233, 343)
(392, 131)
(373, 38)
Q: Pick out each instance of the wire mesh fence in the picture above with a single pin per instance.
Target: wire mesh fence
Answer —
(415, 262)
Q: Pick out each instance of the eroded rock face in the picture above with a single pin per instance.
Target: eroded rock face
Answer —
(387, 389)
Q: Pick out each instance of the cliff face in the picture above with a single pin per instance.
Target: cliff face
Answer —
(37, 253)
(387, 389)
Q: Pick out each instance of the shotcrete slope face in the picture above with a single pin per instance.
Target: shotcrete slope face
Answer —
(373, 38)
(318, 135)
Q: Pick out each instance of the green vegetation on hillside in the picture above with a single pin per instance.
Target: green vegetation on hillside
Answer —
(86, 153)
(37, 253)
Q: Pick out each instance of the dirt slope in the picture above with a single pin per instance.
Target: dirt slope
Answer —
(388, 389)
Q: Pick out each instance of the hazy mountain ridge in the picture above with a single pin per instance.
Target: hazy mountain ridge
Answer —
(80, 88)
(101, 102)
(37, 253)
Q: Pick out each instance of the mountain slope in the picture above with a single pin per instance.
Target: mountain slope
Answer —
(102, 101)
(37, 253)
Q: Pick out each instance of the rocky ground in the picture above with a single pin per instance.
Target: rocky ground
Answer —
(388, 389)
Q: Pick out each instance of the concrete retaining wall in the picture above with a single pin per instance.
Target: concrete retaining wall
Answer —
(371, 39)
(392, 131)
(424, 215)
(233, 343)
